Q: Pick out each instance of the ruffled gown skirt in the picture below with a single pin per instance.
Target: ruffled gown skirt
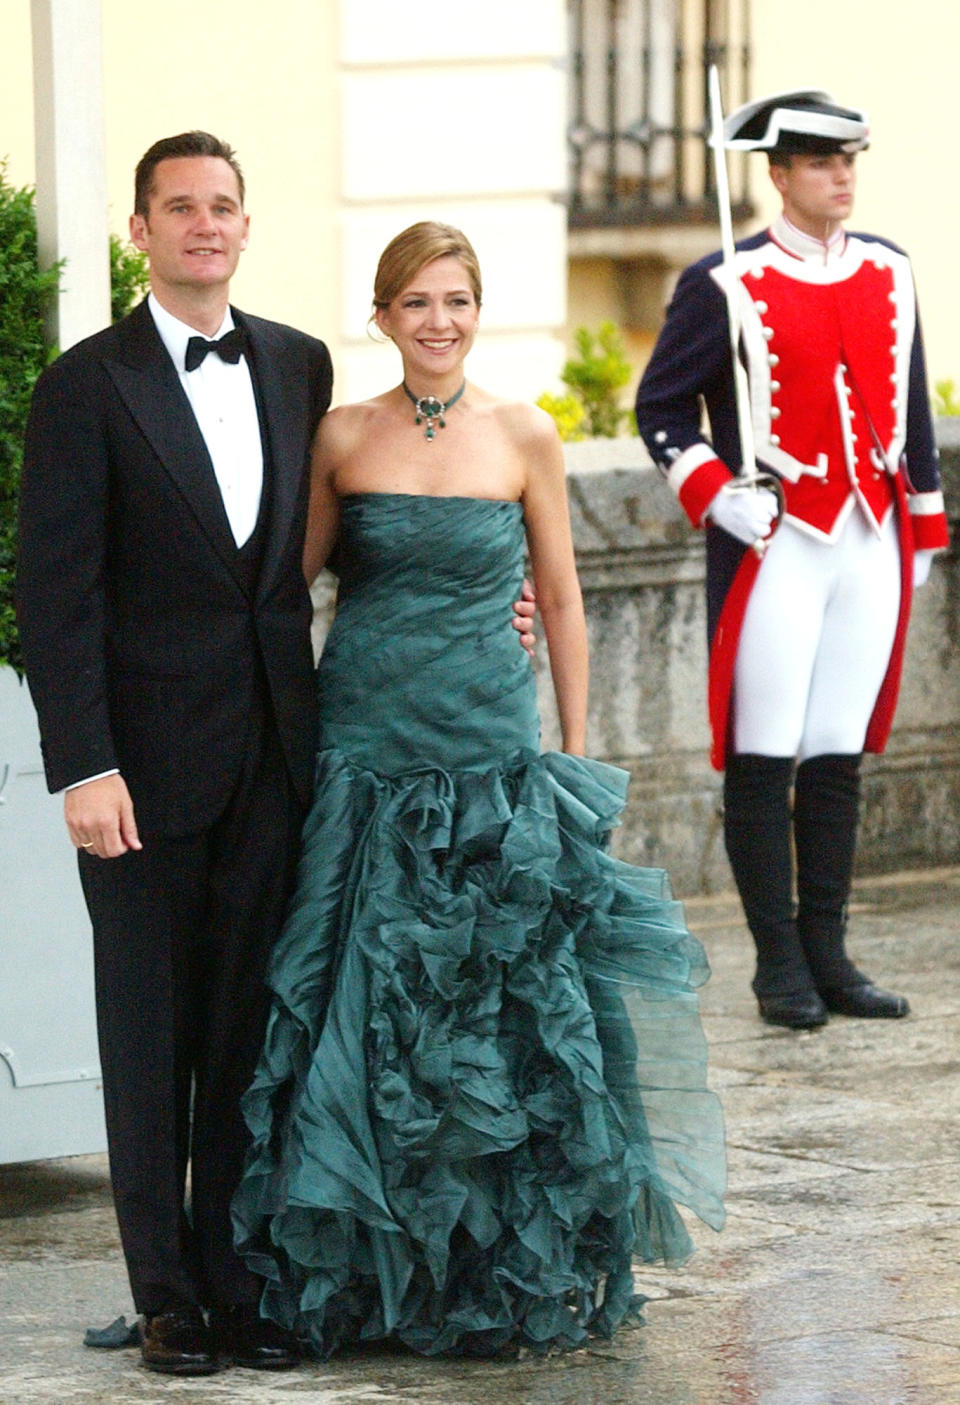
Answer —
(482, 1091)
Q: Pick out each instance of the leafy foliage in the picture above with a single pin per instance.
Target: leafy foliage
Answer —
(568, 414)
(595, 379)
(129, 277)
(945, 401)
(25, 296)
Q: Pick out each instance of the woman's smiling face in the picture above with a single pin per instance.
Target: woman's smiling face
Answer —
(433, 321)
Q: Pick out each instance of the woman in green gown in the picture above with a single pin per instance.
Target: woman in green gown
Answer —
(482, 1091)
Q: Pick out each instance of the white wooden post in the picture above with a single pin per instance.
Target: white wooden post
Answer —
(70, 161)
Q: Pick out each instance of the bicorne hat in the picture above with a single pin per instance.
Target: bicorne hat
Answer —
(805, 122)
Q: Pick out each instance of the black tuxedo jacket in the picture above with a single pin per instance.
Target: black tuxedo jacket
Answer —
(142, 645)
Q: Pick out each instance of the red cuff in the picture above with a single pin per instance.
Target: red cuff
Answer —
(930, 532)
(698, 488)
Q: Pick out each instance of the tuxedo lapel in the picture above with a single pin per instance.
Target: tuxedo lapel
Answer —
(146, 380)
(281, 374)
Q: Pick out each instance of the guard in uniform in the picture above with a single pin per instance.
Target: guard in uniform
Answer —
(806, 631)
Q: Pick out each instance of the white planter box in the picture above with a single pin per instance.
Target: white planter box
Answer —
(51, 1101)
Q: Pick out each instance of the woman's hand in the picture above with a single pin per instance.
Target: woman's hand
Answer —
(524, 611)
(550, 540)
(323, 514)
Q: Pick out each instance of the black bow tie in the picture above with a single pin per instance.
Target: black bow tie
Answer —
(229, 348)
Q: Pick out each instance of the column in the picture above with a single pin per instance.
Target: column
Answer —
(70, 159)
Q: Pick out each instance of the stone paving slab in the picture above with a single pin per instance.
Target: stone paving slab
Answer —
(835, 1282)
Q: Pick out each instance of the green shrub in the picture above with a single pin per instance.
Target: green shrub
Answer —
(129, 277)
(945, 400)
(595, 379)
(568, 415)
(25, 297)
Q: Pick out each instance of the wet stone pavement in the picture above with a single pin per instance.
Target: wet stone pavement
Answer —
(835, 1282)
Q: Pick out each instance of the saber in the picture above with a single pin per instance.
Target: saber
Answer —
(749, 479)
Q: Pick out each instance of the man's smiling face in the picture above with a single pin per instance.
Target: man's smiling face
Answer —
(195, 228)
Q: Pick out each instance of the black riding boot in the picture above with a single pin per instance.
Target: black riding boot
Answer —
(756, 797)
(826, 811)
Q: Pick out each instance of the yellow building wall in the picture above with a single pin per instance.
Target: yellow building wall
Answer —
(266, 77)
(900, 63)
(262, 77)
(16, 93)
(347, 129)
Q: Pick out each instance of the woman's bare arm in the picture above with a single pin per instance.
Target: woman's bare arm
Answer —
(549, 537)
(323, 514)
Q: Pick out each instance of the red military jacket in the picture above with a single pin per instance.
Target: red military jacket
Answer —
(828, 344)
(831, 341)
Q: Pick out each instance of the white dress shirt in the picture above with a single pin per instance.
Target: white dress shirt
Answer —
(221, 397)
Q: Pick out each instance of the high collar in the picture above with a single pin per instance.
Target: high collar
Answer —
(805, 246)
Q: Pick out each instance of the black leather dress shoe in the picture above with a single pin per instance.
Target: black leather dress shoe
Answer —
(803, 1011)
(177, 1343)
(866, 1002)
(244, 1337)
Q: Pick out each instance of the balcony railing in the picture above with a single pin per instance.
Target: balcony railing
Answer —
(639, 115)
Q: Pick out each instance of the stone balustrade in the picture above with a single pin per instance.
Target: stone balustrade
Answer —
(642, 572)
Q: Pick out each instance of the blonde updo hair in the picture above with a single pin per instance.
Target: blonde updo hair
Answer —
(413, 249)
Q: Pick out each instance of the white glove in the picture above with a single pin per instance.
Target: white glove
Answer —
(922, 561)
(746, 514)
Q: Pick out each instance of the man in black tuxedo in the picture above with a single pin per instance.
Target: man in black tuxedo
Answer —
(165, 627)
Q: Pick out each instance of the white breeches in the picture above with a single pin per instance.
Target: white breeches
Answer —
(816, 641)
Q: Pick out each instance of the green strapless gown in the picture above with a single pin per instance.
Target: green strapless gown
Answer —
(482, 1089)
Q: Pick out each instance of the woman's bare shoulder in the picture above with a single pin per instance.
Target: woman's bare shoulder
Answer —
(342, 426)
(531, 434)
(526, 424)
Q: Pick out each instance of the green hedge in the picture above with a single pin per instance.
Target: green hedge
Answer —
(25, 294)
(25, 297)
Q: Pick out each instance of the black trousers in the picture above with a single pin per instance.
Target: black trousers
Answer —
(183, 931)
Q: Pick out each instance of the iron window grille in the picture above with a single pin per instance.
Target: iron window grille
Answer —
(639, 109)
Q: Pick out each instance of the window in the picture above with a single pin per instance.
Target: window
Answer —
(639, 115)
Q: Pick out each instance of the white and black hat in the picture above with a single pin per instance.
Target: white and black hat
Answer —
(805, 122)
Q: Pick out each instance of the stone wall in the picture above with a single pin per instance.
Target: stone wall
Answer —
(642, 571)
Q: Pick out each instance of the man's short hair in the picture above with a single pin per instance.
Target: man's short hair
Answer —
(168, 148)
